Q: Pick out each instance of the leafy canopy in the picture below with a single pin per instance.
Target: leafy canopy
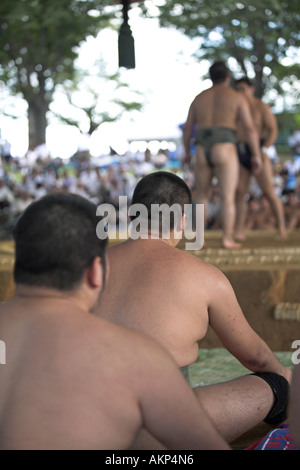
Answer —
(39, 40)
(262, 36)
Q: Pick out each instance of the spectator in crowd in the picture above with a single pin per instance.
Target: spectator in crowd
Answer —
(290, 172)
(294, 142)
(6, 196)
(292, 209)
(105, 183)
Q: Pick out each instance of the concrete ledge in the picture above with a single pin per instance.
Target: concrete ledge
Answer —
(287, 311)
(263, 273)
(7, 286)
(259, 291)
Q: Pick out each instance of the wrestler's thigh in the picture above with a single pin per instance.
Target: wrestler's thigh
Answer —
(244, 180)
(265, 177)
(225, 159)
(203, 172)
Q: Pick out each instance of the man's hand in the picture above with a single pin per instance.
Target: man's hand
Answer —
(257, 164)
(186, 160)
(287, 373)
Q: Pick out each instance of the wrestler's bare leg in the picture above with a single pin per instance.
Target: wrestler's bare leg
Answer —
(234, 407)
(226, 165)
(203, 177)
(294, 218)
(238, 405)
(265, 181)
(241, 204)
(145, 441)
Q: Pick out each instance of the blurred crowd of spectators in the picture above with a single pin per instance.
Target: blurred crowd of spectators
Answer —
(103, 180)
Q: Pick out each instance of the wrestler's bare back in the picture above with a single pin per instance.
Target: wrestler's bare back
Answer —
(73, 381)
(173, 296)
(262, 119)
(155, 288)
(52, 352)
(217, 107)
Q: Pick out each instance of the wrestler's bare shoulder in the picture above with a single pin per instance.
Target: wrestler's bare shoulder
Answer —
(266, 110)
(67, 325)
(185, 270)
(258, 105)
(203, 96)
(64, 333)
(196, 265)
(99, 333)
(176, 256)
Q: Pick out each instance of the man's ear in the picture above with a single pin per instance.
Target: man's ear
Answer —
(94, 273)
(181, 223)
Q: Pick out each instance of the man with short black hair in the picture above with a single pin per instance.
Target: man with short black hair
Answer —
(71, 380)
(172, 192)
(174, 297)
(60, 232)
(215, 113)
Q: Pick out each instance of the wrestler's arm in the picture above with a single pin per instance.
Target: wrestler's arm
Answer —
(228, 321)
(294, 409)
(270, 125)
(170, 409)
(187, 133)
(244, 115)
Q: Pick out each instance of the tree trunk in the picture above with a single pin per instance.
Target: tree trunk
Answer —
(259, 81)
(37, 120)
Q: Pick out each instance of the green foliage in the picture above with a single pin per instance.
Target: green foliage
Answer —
(39, 40)
(259, 35)
(106, 98)
(288, 122)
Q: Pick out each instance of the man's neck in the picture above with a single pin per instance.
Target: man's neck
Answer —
(35, 293)
(225, 83)
(170, 241)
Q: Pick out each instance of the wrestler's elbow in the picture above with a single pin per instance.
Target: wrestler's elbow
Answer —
(255, 363)
(258, 358)
(252, 132)
(265, 363)
(187, 132)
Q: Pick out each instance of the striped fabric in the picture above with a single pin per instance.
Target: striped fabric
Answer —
(277, 439)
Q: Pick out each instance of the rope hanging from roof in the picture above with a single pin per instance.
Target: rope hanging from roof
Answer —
(126, 41)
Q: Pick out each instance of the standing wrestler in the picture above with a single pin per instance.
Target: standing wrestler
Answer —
(266, 126)
(215, 113)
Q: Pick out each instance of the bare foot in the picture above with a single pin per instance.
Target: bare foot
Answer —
(281, 236)
(230, 244)
(240, 237)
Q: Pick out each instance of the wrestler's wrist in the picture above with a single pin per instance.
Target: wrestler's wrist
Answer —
(265, 149)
